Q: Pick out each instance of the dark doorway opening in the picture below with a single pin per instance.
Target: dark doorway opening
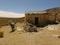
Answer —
(36, 21)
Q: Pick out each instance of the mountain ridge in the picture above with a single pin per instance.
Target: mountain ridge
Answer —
(54, 10)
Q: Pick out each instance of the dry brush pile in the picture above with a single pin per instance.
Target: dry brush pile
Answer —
(30, 27)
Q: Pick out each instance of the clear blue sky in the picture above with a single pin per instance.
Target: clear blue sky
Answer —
(20, 6)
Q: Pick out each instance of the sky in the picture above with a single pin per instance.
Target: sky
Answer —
(20, 6)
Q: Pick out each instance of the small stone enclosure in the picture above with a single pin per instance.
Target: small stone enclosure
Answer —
(41, 17)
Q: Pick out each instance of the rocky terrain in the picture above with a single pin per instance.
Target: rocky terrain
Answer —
(49, 35)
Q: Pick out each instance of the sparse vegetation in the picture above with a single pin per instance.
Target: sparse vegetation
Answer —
(49, 35)
(1, 34)
(30, 27)
(58, 36)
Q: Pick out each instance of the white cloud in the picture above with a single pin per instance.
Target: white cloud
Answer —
(5, 14)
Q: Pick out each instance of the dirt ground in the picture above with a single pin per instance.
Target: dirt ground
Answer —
(45, 36)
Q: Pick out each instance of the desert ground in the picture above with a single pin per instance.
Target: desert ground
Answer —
(45, 36)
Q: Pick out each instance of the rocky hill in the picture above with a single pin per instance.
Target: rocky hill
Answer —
(53, 10)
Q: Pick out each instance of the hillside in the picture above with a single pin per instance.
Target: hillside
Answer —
(56, 9)
(44, 36)
(4, 21)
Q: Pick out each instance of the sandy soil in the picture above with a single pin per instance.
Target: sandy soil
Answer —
(44, 36)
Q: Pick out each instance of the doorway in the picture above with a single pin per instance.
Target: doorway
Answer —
(36, 21)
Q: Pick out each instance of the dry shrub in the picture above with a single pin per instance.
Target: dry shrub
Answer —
(1, 34)
(58, 36)
(30, 27)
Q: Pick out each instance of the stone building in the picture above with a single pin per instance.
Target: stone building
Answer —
(40, 17)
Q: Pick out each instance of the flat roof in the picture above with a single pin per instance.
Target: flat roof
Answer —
(35, 12)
